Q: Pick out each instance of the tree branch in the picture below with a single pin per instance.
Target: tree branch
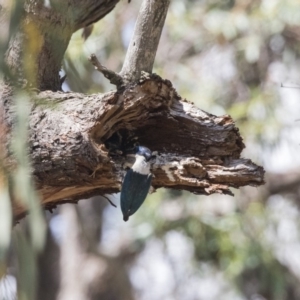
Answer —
(36, 52)
(288, 182)
(143, 45)
(77, 145)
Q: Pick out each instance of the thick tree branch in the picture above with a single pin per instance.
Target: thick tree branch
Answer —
(35, 53)
(77, 144)
(143, 45)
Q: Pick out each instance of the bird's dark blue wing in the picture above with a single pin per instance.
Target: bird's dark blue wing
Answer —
(134, 191)
(141, 193)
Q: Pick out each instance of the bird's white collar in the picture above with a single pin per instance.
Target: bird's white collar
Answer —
(141, 166)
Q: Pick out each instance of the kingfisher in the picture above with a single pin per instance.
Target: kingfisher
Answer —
(136, 183)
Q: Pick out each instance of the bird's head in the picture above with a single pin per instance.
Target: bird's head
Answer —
(143, 151)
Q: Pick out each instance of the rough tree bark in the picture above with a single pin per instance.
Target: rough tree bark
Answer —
(73, 137)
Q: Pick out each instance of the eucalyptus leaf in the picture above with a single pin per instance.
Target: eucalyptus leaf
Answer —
(27, 267)
(23, 183)
(5, 222)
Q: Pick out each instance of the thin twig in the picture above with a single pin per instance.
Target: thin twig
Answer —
(113, 77)
(290, 87)
(109, 201)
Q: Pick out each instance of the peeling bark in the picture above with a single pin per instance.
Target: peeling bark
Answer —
(78, 143)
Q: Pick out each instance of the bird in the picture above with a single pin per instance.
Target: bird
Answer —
(136, 183)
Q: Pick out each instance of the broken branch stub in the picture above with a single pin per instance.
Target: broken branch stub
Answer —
(73, 143)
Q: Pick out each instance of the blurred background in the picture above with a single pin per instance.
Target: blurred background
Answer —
(229, 57)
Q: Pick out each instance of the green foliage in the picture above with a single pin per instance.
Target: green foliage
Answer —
(5, 225)
(23, 188)
(27, 266)
(235, 242)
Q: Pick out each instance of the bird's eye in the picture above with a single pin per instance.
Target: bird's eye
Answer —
(141, 150)
(147, 156)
